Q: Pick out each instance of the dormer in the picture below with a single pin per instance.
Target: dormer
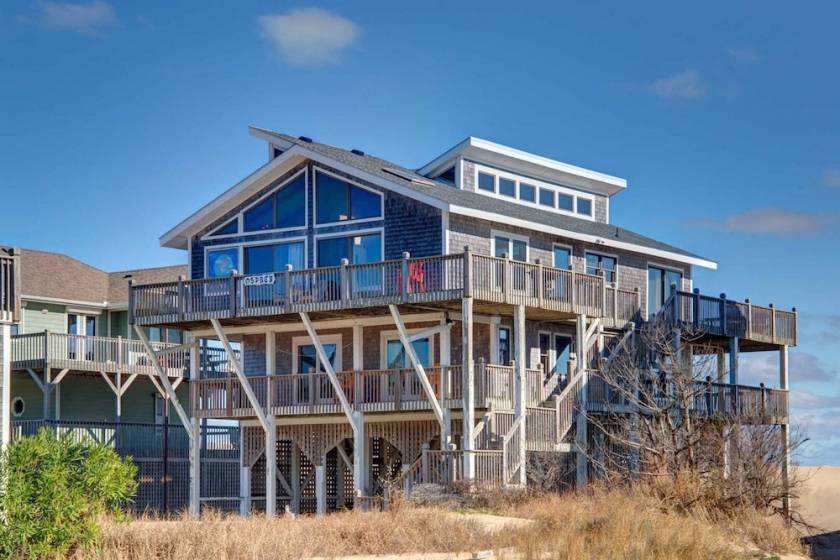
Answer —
(516, 176)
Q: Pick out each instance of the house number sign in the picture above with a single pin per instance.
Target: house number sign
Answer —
(258, 280)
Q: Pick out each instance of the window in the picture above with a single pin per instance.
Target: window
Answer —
(527, 192)
(285, 208)
(596, 262)
(507, 187)
(357, 249)
(486, 182)
(660, 281)
(18, 407)
(565, 202)
(396, 358)
(448, 176)
(562, 257)
(227, 229)
(584, 206)
(340, 201)
(514, 249)
(504, 345)
(274, 258)
(547, 197)
(308, 361)
(222, 262)
(562, 353)
(158, 334)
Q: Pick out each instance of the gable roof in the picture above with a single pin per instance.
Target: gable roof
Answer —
(45, 275)
(411, 183)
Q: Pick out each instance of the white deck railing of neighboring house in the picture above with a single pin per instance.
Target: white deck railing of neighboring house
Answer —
(9, 285)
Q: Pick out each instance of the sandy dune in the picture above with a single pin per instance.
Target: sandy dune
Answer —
(819, 503)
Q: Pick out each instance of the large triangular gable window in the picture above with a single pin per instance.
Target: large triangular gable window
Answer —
(341, 201)
(284, 208)
(229, 228)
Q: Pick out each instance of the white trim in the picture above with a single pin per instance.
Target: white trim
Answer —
(306, 340)
(242, 246)
(351, 233)
(382, 320)
(539, 185)
(514, 237)
(387, 336)
(444, 225)
(45, 299)
(240, 216)
(316, 225)
(648, 251)
(495, 348)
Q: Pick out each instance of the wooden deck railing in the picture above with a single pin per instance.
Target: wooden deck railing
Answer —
(9, 285)
(724, 317)
(91, 353)
(349, 286)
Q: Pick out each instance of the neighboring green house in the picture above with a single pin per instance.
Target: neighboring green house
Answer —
(74, 341)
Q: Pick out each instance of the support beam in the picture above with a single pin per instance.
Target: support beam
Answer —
(244, 478)
(57, 379)
(446, 383)
(581, 420)
(295, 474)
(47, 388)
(520, 386)
(785, 431)
(360, 460)
(431, 331)
(468, 388)
(328, 368)
(321, 487)
(196, 439)
(733, 360)
(271, 468)
(417, 365)
(128, 383)
(5, 386)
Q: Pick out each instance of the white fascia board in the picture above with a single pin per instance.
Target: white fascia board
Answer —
(176, 237)
(267, 135)
(473, 213)
(473, 147)
(63, 301)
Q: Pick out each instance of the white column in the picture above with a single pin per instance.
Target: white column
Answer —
(785, 430)
(271, 467)
(520, 384)
(5, 385)
(446, 380)
(468, 388)
(195, 441)
(581, 422)
(244, 477)
(321, 487)
(360, 459)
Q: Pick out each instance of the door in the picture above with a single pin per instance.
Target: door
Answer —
(562, 354)
(660, 287)
(316, 388)
(397, 360)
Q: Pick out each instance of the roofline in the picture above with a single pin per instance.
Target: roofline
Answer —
(480, 143)
(481, 214)
(48, 299)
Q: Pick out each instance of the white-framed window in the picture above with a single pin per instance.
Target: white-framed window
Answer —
(339, 200)
(393, 355)
(306, 360)
(509, 245)
(504, 345)
(220, 261)
(596, 262)
(18, 407)
(533, 192)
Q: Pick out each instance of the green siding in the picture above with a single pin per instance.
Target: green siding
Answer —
(24, 387)
(38, 317)
(119, 323)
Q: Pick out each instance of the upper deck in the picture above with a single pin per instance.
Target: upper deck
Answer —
(9, 285)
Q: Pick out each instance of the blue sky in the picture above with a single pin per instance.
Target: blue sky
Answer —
(117, 120)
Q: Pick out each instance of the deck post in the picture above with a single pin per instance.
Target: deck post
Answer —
(244, 477)
(445, 383)
(360, 459)
(405, 280)
(749, 318)
(321, 487)
(5, 385)
(520, 385)
(733, 360)
(785, 431)
(195, 441)
(581, 421)
(271, 467)
(468, 388)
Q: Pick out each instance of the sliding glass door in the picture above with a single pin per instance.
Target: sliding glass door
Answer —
(660, 282)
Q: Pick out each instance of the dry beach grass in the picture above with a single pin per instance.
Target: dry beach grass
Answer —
(603, 524)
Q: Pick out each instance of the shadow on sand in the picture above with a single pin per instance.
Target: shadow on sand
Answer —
(824, 546)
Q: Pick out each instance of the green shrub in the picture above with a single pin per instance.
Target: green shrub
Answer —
(54, 492)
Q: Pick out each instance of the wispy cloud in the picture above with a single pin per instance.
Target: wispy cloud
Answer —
(86, 19)
(744, 54)
(309, 36)
(831, 178)
(803, 366)
(771, 221)
(685, 85)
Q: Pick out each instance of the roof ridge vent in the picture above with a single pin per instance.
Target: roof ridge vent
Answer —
(306, 139)
(357, 151)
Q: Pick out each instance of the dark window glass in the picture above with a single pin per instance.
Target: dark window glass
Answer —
(333, 200)
(507, 187)
(584, 206)
(520, 251)
(659, 287)
(504, 345)
(222, 262)
(562, 257)
(364, 204)
(331, 251)
(594, 262)
(562, 352)
(486, 182)
(357, 249)
(259, 259)
(565, 202)
(291, 204)
(260, 216)
(227, 229)
(527, 192)
(339, 201)
(276, 152)
(502, 247)
(448, 175)
(547, 197)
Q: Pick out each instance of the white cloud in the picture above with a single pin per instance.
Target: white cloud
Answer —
(831, 178)
(685, 85)
(309, 36)
(744, 54)
(764, 367)
(771, 221)
(86, 19)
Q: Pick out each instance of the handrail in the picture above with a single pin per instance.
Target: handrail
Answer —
(511, 447)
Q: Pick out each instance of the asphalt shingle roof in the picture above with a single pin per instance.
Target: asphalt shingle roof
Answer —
(468, 199)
